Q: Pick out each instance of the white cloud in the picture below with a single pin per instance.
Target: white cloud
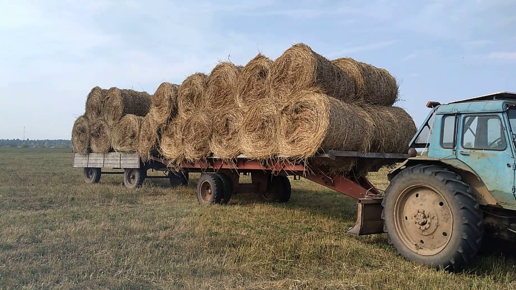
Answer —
(421, 53)
(372, 46)
(377, 10)
(502, 55)
(477, 43)
(19, 14)
(459, 20)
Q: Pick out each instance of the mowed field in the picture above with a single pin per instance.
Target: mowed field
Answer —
(59, 233)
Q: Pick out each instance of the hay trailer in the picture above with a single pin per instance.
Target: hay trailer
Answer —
(439, 207)
(219, 180)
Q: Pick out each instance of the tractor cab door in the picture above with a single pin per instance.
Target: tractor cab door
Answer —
(484, 145)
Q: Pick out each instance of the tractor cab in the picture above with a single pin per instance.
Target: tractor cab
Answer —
(475, 136)
(439, 205)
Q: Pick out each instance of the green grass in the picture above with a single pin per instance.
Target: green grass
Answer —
(58, 232)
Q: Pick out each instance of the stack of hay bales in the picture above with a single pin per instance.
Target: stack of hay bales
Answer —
(223, 110)
(162, 110)
(351, 101)
(111, 121)
(175, 143)
(292, 108)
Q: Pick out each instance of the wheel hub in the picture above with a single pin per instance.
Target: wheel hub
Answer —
(423, 219)
(206, 191)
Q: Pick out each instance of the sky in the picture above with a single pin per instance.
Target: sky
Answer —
(54, 51)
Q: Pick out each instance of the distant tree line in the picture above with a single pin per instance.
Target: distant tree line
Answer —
(19, 143)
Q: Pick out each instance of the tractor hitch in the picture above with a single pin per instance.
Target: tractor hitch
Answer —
(369, 217)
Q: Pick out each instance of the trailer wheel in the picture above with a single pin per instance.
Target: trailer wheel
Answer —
(432, 218)
(287, 189)
(227, 187)
(134, 177)
(92, 175)
(177, 178)
(278, 190)
(209, 189)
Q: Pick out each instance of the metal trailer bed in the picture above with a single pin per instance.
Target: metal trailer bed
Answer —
(221, 179)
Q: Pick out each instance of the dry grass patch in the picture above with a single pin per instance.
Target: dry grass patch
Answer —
(60, 233)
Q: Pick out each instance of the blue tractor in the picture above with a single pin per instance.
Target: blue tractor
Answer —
(441, 204)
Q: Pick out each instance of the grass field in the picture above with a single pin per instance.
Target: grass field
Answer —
(59, 233)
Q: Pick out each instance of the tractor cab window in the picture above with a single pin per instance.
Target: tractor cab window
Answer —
(448, 132)
(423, 139)
(512, 119)
(483, 132)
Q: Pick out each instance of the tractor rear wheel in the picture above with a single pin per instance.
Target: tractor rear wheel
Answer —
(431, 217)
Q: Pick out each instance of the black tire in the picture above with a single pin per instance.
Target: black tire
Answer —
(92, 175)
(134, 177)
(227, 187)
(177, 178)
(278, 190)
(287, 189)
(209, 189)
(432, 203)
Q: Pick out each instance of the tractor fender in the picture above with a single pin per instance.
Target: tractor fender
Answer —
(467, 174)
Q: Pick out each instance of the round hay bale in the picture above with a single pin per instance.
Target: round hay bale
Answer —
(258, 131)
(300, 68)
(126, 133)
(164, 103)
(81, 135)
(220, 92)
(100, 140)
(191, 93)
(196, 132)
(373, 85)
(225, 143)
(393, 128)
(253, 82)
(311, 121)
(148, 138)
(95, 103)
(120, 102)
(171, 143)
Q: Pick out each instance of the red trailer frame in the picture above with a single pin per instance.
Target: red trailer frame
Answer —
(266, 177)
(358, 187)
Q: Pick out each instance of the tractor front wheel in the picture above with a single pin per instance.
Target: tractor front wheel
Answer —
(431, 217)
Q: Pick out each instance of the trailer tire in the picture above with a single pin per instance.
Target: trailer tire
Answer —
(428, 203)
(278, 190)
(227, 186)
(177, 178)
(287, 189)
(92, 175)
(134, 177)
(209, 189)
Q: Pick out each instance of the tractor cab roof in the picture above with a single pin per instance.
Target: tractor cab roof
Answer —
(490, 97)
(490, 103)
